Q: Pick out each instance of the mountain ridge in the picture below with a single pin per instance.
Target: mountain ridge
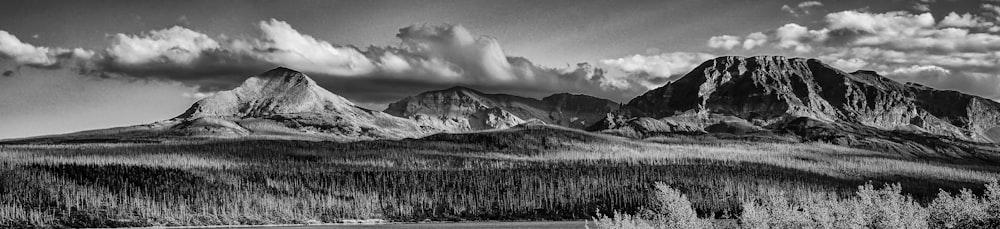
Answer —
(774, 93)
(459, 103)
(759, 95)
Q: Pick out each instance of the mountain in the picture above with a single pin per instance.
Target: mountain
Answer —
(278, 91)
(462, 109)
(805, 97)
(277, 104)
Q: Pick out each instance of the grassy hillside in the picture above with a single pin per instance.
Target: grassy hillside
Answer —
(536, 172)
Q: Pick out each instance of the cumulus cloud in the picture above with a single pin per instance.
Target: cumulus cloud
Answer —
(175, 44)
(428, 57)
(662, 66)
(26, 54)
(481, 56)
(966, 20)
(730, 42)
(726, 42)
(889, 22)
(961, 51)
(754, 40)
(283, 45)
(798, 38)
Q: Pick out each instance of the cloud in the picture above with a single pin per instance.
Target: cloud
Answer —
(427, 57)
(754, 40)
(889, 22)
(790, 10)
(910, 32)
(283, 45)
(197, 95)
(729, 42)
(726, 42)
(809, 4)
(662, 66)
(796, 37)
(848, 65)
(959, 52)
(914, 69)
(480, 57)
(173, 45)
(803, 8)
(26, 54)
(922, 5)
(966, 20)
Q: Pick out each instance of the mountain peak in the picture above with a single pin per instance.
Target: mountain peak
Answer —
(458, 88)
(862, 71)
(278, 91)
(760, 59)
(771, 91)
(280, 71)
(280, 75)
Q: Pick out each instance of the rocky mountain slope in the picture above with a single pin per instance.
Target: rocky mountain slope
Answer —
(277, 104)
(804, 96)
(462, 109)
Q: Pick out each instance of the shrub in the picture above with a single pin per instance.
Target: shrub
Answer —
(889, 208)
(669, 209)
(869, 208)
(773, 210)
(965, 209)
(620, 220)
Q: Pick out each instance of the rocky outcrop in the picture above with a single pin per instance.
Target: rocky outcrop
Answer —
(771, 92)
(461, 109)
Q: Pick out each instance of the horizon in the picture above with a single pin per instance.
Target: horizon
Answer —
(71, 66)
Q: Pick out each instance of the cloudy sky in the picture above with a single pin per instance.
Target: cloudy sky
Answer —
(76, 65)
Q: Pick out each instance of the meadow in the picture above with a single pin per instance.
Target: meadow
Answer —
(537, 173)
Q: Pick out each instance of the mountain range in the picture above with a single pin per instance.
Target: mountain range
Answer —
(468, 109)
(803, 99)
(812, 101)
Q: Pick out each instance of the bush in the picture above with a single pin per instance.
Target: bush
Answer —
(669, 209)
(773, 210)
(620, 221)
(869, 208)
(965, 209)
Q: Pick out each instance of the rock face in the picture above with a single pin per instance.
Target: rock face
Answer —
(772, 92)
(461, 109)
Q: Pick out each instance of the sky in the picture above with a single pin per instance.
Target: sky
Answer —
(76, 65)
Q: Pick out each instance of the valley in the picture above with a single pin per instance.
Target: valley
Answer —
(529, 172)
(279, 149)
